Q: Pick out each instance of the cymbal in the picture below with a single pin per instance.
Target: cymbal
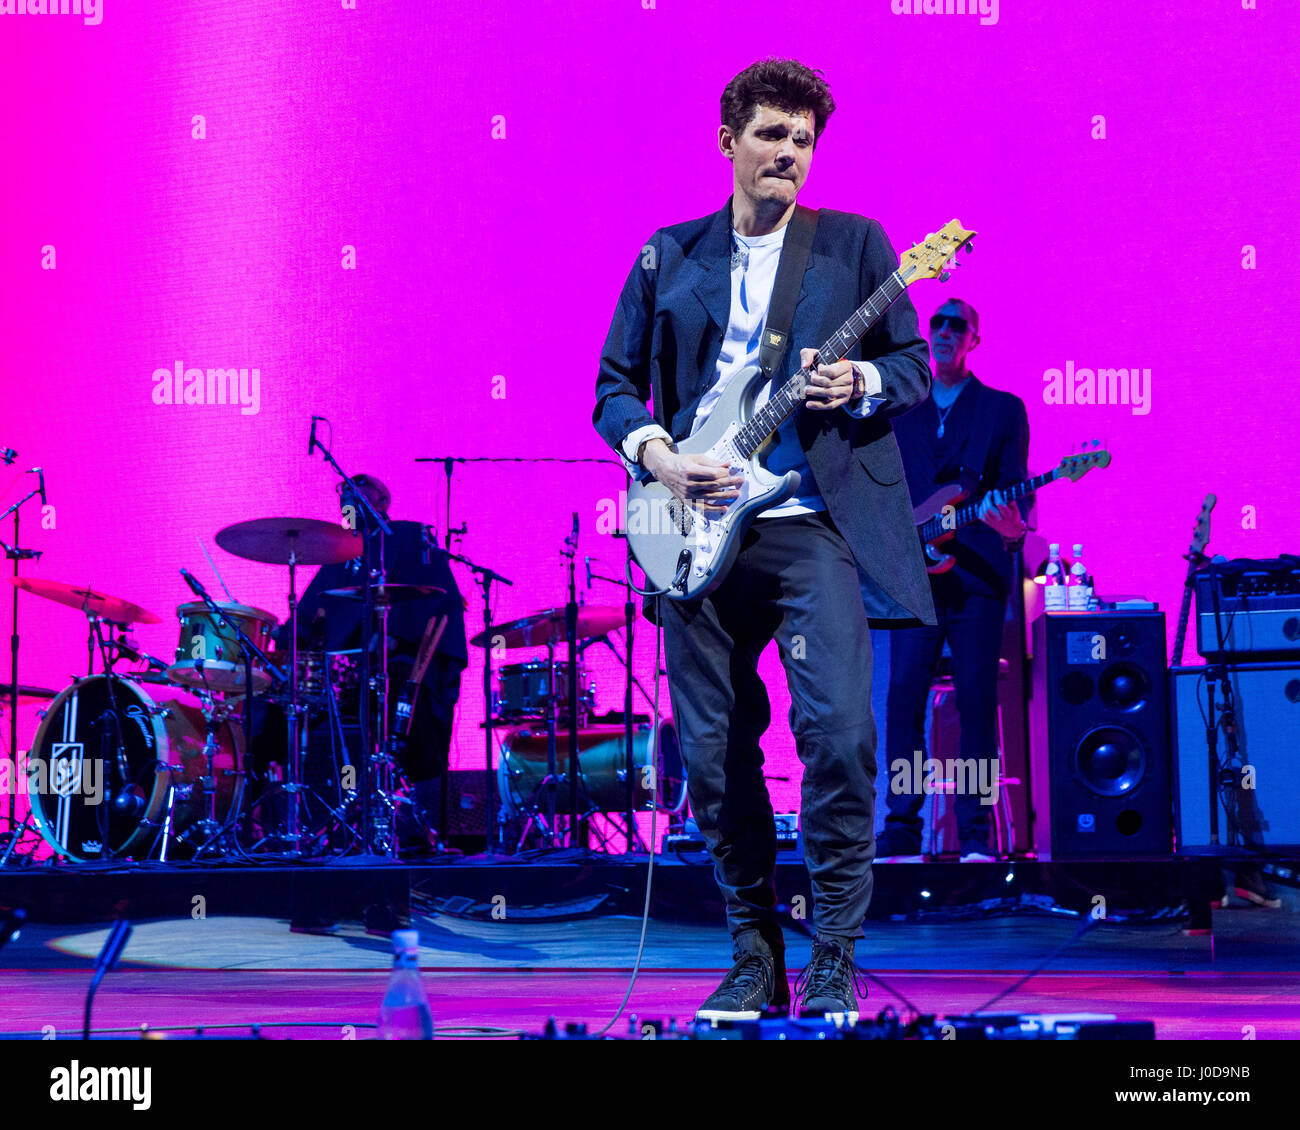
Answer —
(43, 693)
(272, 540)
(393, 592)
(542, 628)
(87, 600)
(157, 678)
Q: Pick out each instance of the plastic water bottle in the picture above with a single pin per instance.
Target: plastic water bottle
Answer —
(1078, 593)
(1054, 580)
(405, 1014)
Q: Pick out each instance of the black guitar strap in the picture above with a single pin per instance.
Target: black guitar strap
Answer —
(795, 251)
(977, 451)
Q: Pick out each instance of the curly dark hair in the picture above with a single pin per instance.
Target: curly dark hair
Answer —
(784, 84)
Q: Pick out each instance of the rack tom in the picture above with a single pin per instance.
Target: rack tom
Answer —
(208, 655)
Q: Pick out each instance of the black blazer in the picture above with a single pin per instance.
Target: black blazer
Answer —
(663, 347)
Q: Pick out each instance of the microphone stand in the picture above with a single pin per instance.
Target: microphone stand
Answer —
(570, 551)
(15, 554)
(372, 524)
(485, 577)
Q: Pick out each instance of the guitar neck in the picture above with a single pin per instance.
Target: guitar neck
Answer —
(1195, 559)
(789, 396)
(964, 515)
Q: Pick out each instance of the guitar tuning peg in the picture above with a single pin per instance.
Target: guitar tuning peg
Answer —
(944, 276)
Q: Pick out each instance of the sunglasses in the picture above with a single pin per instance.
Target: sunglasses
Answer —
(954, 323)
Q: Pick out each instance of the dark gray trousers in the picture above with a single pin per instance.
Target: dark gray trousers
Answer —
(794, 580)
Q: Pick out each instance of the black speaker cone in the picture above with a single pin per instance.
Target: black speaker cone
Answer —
(1124, 686)
(1110, 761)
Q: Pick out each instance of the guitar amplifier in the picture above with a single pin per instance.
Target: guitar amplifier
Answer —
(1249, 610)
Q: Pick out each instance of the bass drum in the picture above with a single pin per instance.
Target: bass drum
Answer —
(90, 802)
(602, 758)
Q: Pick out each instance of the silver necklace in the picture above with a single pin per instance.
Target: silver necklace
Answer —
(943, 415)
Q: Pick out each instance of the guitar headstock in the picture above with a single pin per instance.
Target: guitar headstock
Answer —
(1201, 535)
(930, 260)
(1074, 467)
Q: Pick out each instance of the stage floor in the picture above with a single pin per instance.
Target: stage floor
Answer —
(222, 946)
(334, 1004)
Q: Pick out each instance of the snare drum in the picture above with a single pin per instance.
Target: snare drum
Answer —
(322, 674)
(602, 757)
(208, 655)
(84, 797)
(524, 689)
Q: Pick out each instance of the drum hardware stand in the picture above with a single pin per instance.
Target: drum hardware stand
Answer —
(14, 838)
(96, 638)
(554, 777)
(495, 818)
(248, 649)
(16, 554)
(214, 831)
(374, 740)
(578, 827)
(629, 679)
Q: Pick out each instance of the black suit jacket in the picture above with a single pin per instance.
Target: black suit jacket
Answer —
(663, 347)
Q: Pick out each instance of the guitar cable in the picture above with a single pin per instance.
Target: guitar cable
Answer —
(654, 813)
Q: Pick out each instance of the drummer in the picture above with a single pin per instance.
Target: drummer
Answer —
(326, 623)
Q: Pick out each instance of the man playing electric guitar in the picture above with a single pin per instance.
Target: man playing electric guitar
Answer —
(971, 433)
(690, 319)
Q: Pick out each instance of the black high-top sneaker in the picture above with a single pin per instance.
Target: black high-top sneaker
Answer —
(756, 985)
(831, 984)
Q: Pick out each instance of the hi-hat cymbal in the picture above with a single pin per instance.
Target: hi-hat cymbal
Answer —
(393, 592)
(542, 628)
(87, 600)
(309, 541)
(25, 692)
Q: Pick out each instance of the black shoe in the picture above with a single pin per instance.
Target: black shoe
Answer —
(831, 984)
(1250, 886)
(756, 985)
(896, 841)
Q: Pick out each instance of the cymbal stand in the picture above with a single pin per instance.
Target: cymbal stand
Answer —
(485, 577)
(368, 522)
(553, 776)
(629, 681)
(570, 551)
(248, 650)
(16, 554)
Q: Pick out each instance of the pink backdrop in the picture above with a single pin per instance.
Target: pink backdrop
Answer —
(497, 168)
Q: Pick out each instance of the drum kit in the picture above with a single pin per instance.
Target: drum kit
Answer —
(620, 768)
(121, 769)
(143, 758)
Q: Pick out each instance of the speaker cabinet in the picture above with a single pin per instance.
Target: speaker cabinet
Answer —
(1266, 701)
(1099, 718)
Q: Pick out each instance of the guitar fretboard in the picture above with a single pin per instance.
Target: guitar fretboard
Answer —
(789, 396)
(964, 515)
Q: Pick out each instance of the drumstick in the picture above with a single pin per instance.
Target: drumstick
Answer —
(215, 569)
(432, 634)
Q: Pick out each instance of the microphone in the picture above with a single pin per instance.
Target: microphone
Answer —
(8, 454)
(41, 472)
(311, 442)
(195, 587)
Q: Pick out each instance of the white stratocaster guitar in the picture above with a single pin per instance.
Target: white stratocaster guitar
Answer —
(686, 552)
